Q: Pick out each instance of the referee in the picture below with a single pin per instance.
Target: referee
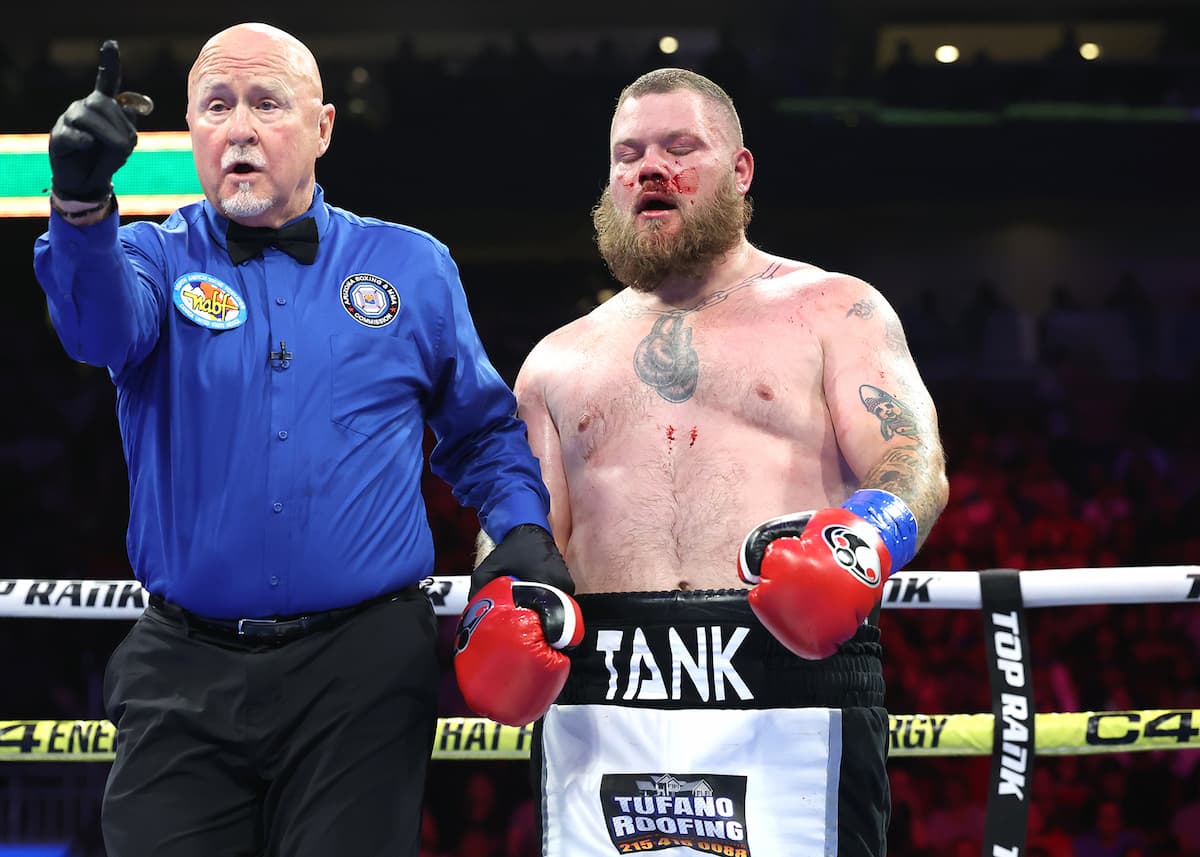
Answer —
(276, 361)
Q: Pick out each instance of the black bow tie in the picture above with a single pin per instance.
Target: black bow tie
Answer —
(298, 240)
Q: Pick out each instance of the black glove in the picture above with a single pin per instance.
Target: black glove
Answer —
(527, 553)
(94, 137)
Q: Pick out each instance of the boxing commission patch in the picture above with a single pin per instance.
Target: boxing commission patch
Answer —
(208, 302)
(370, 300)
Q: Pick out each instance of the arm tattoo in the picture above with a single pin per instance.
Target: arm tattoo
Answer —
(893, 335)
(894, 471)
(895, 417)
(913, 472)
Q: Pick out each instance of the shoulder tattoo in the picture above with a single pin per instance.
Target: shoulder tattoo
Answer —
(864, 308)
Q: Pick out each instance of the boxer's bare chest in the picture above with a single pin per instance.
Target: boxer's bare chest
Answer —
(726, 369)
(680, 430)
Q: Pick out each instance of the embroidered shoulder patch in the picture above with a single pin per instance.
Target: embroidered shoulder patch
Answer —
(370, 300)
(208, 302)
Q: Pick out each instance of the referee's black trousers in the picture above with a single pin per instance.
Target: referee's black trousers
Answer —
(311, 748)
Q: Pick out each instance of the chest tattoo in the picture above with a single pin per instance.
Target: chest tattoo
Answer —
(665, 359)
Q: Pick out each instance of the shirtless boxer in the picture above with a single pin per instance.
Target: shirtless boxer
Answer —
(686, 429)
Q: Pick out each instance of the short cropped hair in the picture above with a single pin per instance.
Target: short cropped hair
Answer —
(664, 80)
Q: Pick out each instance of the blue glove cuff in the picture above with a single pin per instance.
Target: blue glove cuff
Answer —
(896, 523)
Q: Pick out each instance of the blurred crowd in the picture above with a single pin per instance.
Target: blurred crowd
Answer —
(478, 80)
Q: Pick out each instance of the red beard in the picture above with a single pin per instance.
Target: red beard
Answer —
(643, 259)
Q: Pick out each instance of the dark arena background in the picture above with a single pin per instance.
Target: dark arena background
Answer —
(1019, 179)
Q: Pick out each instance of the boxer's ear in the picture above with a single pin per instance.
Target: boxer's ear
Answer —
(743, 170)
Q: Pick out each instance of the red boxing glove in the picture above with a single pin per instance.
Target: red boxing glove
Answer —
(506, 650)
(816, 577)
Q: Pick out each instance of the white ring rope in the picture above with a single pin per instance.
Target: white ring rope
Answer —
(1054, 587)
(1068, 733)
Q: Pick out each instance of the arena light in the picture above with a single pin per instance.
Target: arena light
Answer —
(158, 177)
(668, 44)
(946, 54)
(1089, 51)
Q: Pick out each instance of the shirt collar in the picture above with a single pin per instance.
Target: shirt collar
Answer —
(318, 211)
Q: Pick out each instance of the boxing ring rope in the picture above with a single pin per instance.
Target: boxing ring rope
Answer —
(1059, 734)
(1014, 734)
(905, 590)
(1062, 733)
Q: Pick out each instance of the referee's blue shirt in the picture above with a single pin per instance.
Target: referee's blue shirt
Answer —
(273, 413)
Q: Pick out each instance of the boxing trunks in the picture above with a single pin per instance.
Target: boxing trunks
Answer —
(686, 727)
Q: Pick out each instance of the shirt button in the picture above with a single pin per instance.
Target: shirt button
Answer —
(278, 507)
(281, 301)
(283, 364)
(283, 435)
(274, 580)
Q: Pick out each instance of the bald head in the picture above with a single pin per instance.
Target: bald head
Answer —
(257, 46)
(258, 123)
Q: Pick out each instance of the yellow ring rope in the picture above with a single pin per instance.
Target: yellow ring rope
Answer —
(1061, 734)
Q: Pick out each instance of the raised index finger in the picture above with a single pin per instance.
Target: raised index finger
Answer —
(108, 76)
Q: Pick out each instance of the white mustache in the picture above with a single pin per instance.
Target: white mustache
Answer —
(243, 155)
